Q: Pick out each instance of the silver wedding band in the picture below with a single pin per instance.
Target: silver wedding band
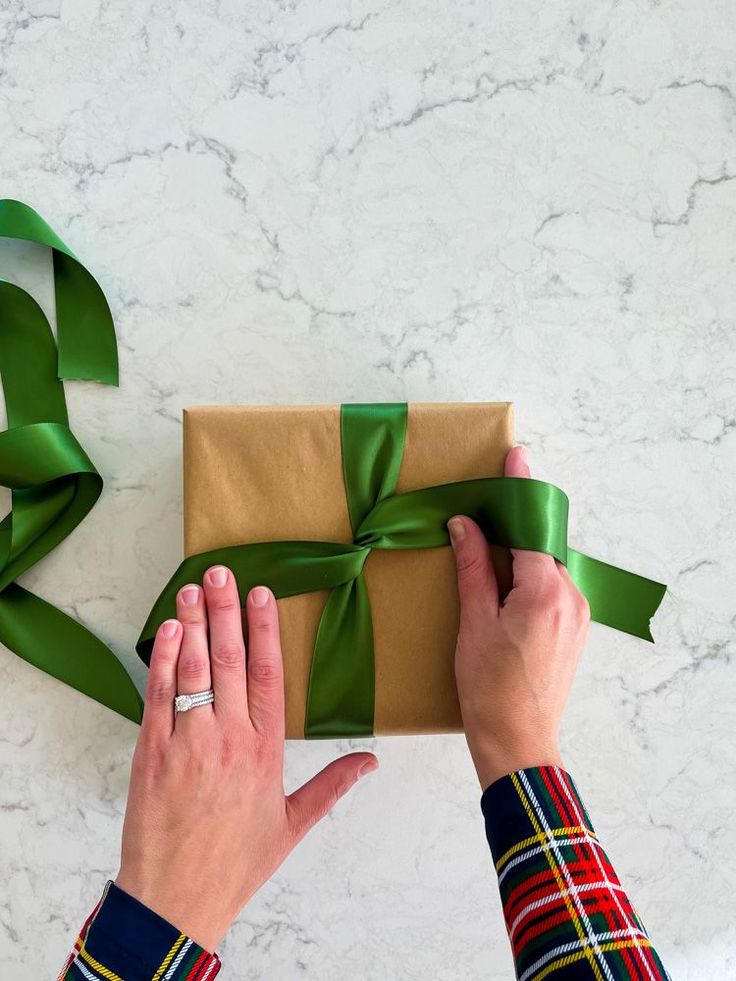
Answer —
(182, 703)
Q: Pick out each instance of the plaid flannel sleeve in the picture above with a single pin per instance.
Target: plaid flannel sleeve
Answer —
(567, 915)
(123, 940)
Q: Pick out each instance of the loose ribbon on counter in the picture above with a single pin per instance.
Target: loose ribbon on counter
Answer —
(512, 511)
(53, 482)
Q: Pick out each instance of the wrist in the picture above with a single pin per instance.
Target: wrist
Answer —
(187, 916)
(492, 762)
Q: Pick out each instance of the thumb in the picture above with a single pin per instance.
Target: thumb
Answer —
(476, 577)
(308, 805)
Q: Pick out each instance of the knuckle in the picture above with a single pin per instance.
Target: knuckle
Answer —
(268, 750)
(224, 604)
(260, 625)
(150, 757)
(164, 651)
(191, 666)
(470, 566)
(230, 749)
(337, 790)
(266, 670)
(551, 591)
(229, 653)
(545, 596)
(327, 804)
(581, 603)
(159, 692)
(191, 616)
(196, 759)
(553, 605)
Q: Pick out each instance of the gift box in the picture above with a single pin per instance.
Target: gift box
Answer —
(276, 474)
(343, 511)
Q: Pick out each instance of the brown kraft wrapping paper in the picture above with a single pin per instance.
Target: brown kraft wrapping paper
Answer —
(271, 473)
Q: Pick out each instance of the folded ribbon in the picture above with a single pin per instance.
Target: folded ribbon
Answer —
(514, 512)
(53, 482)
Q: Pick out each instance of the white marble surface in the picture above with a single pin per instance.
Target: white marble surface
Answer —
(329, 200)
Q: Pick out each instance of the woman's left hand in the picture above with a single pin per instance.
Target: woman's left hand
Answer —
(207, 821)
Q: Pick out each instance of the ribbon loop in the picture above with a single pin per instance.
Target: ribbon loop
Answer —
(514, 511)
(372, 438)
(39, 453)
(87, 345)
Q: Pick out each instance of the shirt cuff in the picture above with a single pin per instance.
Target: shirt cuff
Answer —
(526, 805)
(125, 939)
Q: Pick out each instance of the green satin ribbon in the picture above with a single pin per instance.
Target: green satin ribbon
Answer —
(53, 482)
(514, 512)
(54, 485)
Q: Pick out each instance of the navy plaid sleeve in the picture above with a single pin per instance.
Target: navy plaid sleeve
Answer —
(123, 939)
(567, 915)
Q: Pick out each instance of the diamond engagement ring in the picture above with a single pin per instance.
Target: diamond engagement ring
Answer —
(182, 703)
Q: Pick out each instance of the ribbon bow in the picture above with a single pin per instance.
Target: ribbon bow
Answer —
(515, 512)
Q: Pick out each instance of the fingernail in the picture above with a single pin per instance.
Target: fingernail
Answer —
(456, 527)
(259, 596)
(368, 767)
(217, 576)
(522, 453)
(190, 595)
(169, 628)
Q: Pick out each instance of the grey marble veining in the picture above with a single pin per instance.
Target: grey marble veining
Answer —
(325, 201)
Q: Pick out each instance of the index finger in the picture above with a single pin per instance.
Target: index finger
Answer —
(528, 565)
(158, 708)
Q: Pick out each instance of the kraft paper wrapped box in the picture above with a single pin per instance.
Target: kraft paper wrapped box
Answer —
(275, 473)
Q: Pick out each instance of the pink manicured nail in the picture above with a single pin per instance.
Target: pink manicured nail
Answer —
(217, 576)
(190, 595)
(521, 450)
(368, 767)
(260, 596)
(170, 628)
(456, 527)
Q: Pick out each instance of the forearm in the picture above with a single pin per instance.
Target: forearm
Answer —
(566, 913)
(122, 938)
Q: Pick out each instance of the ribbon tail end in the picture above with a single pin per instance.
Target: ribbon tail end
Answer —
(107, 375)
(656, 603)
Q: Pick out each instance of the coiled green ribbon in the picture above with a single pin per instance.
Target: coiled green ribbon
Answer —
(53, 482)
(515, 512)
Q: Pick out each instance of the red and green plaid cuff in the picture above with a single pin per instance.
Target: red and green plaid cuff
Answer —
(123, 940)
(567, 915)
